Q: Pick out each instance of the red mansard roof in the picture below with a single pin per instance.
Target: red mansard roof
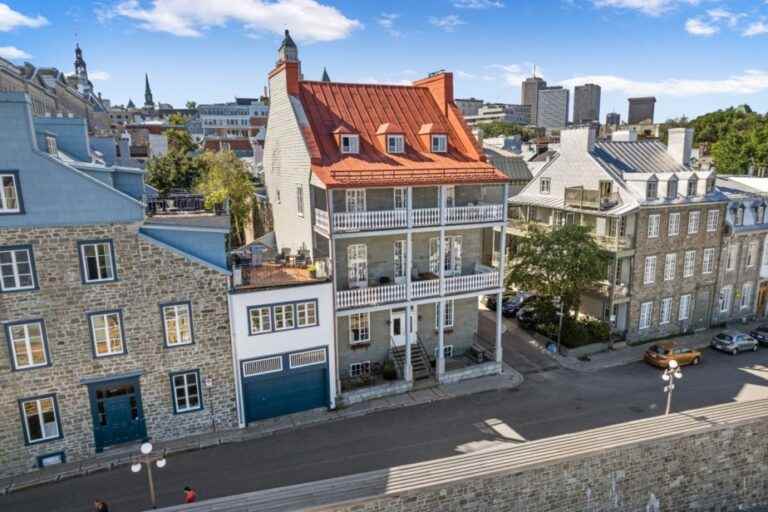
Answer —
(364, 109)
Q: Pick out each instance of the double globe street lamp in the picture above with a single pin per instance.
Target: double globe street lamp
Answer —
(670, 375)
(147, 458)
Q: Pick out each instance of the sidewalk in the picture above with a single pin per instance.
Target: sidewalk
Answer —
(631, 354)
(124, 455)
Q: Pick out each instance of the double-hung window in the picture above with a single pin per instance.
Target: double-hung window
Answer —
(28, 344)
(689, 263)
(684, 308)
(708, 265)
(448, 317)
(306, 313)
(107, 333)
(693, 184)
(649, 274)
(674, 224)
(746, 295)
(752, 254)
(283, 317)
(713, 216)
(646, 311)
(693, 222)
(395, 144)
(653, 225)
(670, 262)
(350, 144)
(665, 313)
(725, 299)
(733, 256)
(400, 198)
(439, 143)
(177, 322)
(17, 269)
(545, 185)
(41, 419)
(361, 369)
(359, 328)
(10, 199)
(186, 391)
(452, 255)
(652, 190)
(97, 261)
(261, 321)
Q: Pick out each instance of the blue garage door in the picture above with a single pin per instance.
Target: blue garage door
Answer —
(284, 384)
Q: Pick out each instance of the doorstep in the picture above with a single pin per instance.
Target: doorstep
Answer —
(115, 459)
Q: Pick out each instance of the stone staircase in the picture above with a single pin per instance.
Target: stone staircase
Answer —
(422, 368)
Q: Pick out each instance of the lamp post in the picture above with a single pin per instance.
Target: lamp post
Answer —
(147, 458)
(669, 376)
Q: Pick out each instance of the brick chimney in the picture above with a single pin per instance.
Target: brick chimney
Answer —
(440, 85)
(287, 73)
(680, 144)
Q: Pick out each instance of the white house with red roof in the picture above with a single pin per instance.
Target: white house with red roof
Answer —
(384, 182)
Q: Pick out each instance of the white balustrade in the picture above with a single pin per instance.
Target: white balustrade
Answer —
(472, 214)
(321, 219)
(426, 216)
(421, 289)
(370, 296)
(345, 222)
(471, 282)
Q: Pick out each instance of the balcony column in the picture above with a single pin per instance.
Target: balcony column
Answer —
(502, 264)
(332, 265)
(441, 339)
(408, 312)
(408, 344)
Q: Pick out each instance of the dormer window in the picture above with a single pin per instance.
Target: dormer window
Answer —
(395, 144)
(50, 145)
(693, 182)
(9, 194)
(652, 189)
(672, 188)
(739, 216)
(439, 143)
(710, 185)
(350, 144)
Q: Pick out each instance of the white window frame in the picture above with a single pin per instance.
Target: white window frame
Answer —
(306, 314)
(752, 254)
(299, 200)
(452, 255)
(689, 263)
(13, 265)
(695, 182)
(733, 257)
(177, 312)
(665, 311)
(9, 194)
(395, 144)
(713, 217)
(361, 369)
(672, 188)
(46, 435)
(26, 339)
(746, 295)
(439, 143)
(652, 185)
(545, 185)
(355, 200)
(260, 314)
(646, 315)
(450, 196)
(674, 224)
(362, 323)
(683, 312)
(649, 270)
(693, 222)
(284, 317)
(357, 265)
(111, 351)
(724, 299)
(708, 263)
(399, 257)
(450, 309)
(186, 395)
(670, 266)
(349, 144)
(400, 198)
(654, 221)
(107, 269)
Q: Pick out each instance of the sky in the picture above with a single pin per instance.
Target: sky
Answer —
(695, 56)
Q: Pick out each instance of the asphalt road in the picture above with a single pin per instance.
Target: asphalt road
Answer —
(549, 403)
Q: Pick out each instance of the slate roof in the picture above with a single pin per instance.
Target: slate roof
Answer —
(647, 156)
(513, 166)
(363, 109)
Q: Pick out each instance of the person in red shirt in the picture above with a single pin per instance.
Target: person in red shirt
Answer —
(190, 495)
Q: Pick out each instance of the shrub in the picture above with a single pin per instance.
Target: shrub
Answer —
(388, 371)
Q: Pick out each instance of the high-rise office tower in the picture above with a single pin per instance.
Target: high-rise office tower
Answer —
(586, 103)
(529, 93)
(641, 110)
(553, 107)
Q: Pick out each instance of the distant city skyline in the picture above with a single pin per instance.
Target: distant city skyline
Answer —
(694, 56)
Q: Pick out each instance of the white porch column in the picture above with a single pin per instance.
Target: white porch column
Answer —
(332, 268)
(408, 344)
(502, 265)
(408, 313)
(440, 339)
(441, 304)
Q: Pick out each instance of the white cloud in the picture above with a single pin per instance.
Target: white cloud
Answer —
(12, 53)
(384, 81)
(512, 74)
(477, 4)
(308, 20)
(387, 22)
(699, 27)
(720, 14)
(756, 28)
(749, 82)
(98, 75)
(649, 7)
(10, 19)
(447, 23)
(473, 76)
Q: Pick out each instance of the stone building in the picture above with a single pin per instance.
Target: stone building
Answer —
(114, 325)
(660, 220)
(386, 182)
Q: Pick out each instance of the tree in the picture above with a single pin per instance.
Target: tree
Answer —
(191, 105)
(564, 263)
(178, 167)
(225, 180)
(499, 128)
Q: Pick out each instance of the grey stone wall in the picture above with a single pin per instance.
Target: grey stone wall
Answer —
(740, 274)
(375, 351)
(716, 470)
(701, 286)
(147, 276)
(460, 336)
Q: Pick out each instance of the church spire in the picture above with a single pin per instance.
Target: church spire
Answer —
(288, 51)
(81, 72)
(148, 101)
(325, 78)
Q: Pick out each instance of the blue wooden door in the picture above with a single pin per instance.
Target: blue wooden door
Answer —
(117, 413)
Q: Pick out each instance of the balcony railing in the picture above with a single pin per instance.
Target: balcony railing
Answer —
(471, 282)
(348, 222)
(371, 296)
(428, 288)
(521, 227)
(579, 197)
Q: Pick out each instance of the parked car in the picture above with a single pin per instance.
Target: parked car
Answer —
(734, 342)
(661, 354)
(526, 316)
(517, 301)
(760, 333)
(489, 301)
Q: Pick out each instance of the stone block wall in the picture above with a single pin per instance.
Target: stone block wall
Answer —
(740, 274)
(148, 276)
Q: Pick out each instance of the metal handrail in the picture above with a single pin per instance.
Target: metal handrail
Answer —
(391, 354)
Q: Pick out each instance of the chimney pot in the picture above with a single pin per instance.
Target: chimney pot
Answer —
(680, 144)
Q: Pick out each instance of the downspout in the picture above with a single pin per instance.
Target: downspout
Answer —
(332, 253)
(235, 363)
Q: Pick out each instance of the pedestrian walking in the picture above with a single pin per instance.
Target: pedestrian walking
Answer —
(190, 495)
(100, 506)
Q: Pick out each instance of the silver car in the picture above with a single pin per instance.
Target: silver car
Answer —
(734, 342)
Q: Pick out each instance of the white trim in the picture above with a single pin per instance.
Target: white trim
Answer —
(289, 322)
(3, 198)
(367, 322)
(646, 315)
(178, 227)
(176, 308)
(109, 259)
(183, 254)
(27, 339)
(395, 144)
(260, 310)
(683, 313)
(689, 263)
(39, 412)
(307, 358)
(185, 386)
(14, 265)
(308, 305)
(665, 311)
(107, 338)
(654, 221)
(262, 366)
(353, 145)
(694, 220)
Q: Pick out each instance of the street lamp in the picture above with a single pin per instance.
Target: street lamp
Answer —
(147, 458)
(669, 376)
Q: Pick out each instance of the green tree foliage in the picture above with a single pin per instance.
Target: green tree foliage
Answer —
(191, 105)
(225, 179)
(564, 262)
(178, 167)
(498, 129)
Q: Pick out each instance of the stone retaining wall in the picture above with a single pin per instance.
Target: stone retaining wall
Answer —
(380, 391)
(471, 372)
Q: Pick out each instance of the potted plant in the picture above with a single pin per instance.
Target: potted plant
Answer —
(312, 270)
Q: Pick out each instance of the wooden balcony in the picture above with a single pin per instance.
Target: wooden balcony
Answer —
(579, 197)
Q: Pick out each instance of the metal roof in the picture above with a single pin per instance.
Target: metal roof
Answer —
(646, 156)
(513, 166)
